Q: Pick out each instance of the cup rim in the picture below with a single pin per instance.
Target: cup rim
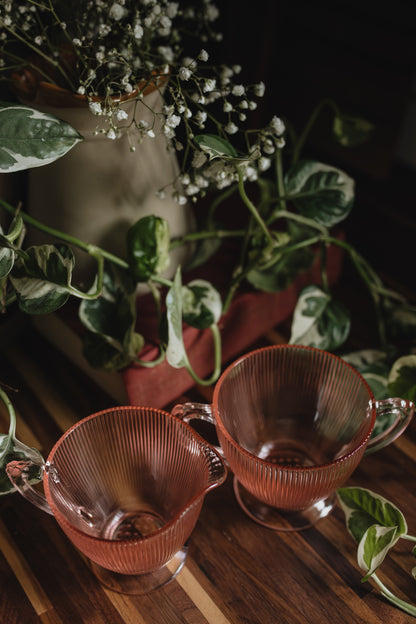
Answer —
(166, 527)
(241, 450)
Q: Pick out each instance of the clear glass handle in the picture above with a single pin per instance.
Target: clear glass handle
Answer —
(19, 473)
(401, 411)
(217, 468)
(197, 411)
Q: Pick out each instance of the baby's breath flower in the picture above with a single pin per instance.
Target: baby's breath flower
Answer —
(277, 126)
(138, 31)
(203, 56)
(231, 128)
(184, 73)
(209, 85)
(121, 114)
(238, 90)
(117, 12)
(259, 89)
(264, 163)
(95, 108)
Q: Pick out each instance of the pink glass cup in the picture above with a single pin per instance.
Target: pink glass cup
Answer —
(293, 423)
(127, 485)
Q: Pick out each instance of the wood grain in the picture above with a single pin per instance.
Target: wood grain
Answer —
(237, 572)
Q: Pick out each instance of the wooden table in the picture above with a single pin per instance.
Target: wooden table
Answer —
(236, 572)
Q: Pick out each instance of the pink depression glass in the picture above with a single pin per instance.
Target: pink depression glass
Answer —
(293, 423)
(127, 485)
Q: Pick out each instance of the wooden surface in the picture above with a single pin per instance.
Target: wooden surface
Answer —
(236, 572)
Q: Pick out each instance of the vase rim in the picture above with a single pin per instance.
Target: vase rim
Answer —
(37, 92)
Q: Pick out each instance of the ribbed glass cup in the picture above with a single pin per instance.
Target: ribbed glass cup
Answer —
(127, 485)
(293, 423)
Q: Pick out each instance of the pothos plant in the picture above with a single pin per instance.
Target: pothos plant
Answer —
(289, 219)
(377, 525)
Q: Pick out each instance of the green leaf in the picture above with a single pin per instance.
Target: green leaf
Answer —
(374, 546)
(281, 271)
(400, 322)
(111, 319)
(148, 247)
(352, 131)
(29, 138)
(318, 320)
(320, 192)
(373, 365)
(202, 305)
(402, 378)
(7, 248)
(42, 280)
(364, 508)
(175, 351)
(215, 146)
(6, 261)
(13, 450)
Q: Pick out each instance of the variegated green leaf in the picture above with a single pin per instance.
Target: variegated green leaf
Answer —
(352, 131)
(278, 271)
(402, 378)
(374, 546)
(6, 261)
(318, 320)
(11, 449)
(401, 322)
(29, 138)
(175, 352)
(42, 280)
(373, 365)
(148, 247)
(364, 508)
(202, 305)
(111, 342)
(320, 192)
(215, 146)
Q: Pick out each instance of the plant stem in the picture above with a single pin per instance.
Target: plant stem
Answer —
(312, 119)
(280, 214)
(252, 207)
(11, 412)
(410, 538)
(217, 360)
(195, 236)
(279, 177)
(90, 249)
(398, 602)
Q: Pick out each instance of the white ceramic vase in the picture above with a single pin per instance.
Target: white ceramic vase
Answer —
(101, 187)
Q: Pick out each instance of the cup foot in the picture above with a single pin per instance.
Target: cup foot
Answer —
(140, 584)
(281, 519)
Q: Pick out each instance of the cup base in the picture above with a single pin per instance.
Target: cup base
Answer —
(140, 584)
(281, 519)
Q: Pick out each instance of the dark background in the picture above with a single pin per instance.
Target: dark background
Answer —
(362, 56)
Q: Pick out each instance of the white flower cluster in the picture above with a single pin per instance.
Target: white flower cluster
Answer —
(222, 173)
(105, 49)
